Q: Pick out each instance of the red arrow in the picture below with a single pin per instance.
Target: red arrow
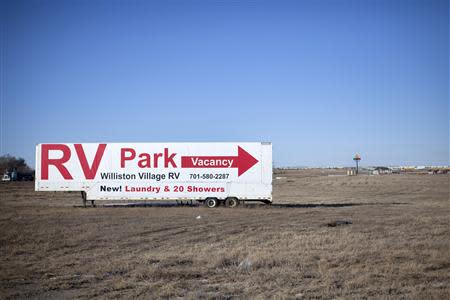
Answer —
(242, 162)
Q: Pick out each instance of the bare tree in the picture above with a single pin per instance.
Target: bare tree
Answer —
(9, 163)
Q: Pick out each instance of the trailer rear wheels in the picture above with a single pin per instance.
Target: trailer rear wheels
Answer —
(231, 202)
(211, 202)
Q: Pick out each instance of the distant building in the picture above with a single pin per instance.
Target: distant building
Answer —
(381, 170)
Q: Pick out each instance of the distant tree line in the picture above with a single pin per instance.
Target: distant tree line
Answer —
(15, 168)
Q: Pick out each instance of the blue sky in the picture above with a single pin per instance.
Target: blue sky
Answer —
(322, 80)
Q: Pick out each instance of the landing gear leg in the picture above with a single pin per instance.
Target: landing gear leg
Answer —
(83, 196)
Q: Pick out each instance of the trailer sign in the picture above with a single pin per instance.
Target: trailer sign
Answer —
(151, 171)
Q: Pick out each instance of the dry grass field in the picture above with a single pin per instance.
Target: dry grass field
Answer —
(396, 247)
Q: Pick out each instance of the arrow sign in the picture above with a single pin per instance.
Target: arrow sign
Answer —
(242, 162)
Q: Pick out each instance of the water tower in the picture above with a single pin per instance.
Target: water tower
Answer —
(357, 158)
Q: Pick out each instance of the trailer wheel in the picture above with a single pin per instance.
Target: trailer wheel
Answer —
(232, 202)
(211, 202)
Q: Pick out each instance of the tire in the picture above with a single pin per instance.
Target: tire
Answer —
(211, 202)
(231, 202)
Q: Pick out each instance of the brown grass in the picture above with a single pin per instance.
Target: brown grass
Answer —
(396, 247)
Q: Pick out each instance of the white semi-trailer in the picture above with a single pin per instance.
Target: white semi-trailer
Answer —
(211, 173)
